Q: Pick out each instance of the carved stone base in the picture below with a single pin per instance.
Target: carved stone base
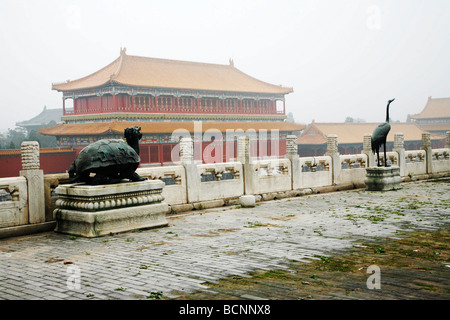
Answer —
(97, 210)
(383, 178)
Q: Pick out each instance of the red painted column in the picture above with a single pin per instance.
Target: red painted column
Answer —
(133, 105)
(178, 104)
(114, 102)
(156, 103)
(64, 106)
(198, 105)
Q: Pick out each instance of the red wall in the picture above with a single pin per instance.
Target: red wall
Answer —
(157, 153)
(55, 162)
(10, 165)
(59, 162)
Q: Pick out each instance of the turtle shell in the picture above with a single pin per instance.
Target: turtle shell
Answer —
(105, 153)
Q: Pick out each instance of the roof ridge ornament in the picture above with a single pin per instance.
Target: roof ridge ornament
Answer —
(122, 55)
(231, 62)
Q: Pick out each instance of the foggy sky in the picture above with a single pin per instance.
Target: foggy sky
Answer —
(342, 57)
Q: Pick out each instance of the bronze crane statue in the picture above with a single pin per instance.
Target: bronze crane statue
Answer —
(379, 137)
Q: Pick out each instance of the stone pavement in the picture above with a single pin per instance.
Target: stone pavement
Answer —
(207, 245)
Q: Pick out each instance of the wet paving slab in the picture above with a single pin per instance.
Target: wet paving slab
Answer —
(309, 247)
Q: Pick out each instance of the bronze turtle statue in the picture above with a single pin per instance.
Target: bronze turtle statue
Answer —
(110, 159)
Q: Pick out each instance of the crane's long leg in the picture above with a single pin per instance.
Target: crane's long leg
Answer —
(378, 157)
(385, 158)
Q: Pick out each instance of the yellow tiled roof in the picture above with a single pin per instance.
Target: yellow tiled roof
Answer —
(149, 127)
(350, 133)
(435, 126)
(77, 129)
(162, 73)
(435, 108)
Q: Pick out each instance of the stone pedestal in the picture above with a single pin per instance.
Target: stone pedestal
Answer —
(383, 178)
(97, 210)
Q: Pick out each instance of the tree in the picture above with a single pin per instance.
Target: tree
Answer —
(353, 120)
(15, 137)
(44, 141)
(349, 120)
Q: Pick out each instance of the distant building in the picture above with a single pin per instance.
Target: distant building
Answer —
(435, 116)
(44, 119)
(161, 96)
(313, 140)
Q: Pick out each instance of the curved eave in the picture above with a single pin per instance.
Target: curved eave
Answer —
(286, 91)
(135, 86)
(89, 129)
(168, 116)
(76, 129)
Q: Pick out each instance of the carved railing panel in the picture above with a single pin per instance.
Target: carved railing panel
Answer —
(14, 206)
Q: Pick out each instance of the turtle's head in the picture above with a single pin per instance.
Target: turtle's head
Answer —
(133, 135)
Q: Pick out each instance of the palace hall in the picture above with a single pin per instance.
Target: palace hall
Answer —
(167, 96)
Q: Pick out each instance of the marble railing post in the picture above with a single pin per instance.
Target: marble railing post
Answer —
(186, 150)
(243, 149)
(399, 147)
(292, 155)
(333, 152)
(35, 181)
(367, 150)
(426, 145)
(192, 177)
(243, 156)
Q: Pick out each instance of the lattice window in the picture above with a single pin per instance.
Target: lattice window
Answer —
(165, 103)
(231, 105)
(186, 104)
(209, 104)
(264, 106)
(247, 105)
